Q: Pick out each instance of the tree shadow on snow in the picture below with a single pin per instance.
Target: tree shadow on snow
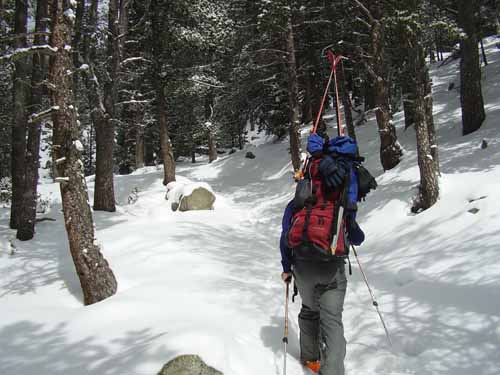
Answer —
(28, 348)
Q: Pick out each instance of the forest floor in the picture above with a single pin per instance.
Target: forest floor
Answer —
(208, 282)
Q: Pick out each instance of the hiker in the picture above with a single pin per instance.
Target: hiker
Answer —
(306, 253)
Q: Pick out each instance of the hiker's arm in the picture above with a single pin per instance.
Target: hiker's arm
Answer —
(286, 253)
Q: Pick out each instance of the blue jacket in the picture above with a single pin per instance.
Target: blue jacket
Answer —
(354, 233)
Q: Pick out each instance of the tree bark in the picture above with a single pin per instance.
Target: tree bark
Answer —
(471, 96)
(21, 95)
(96, 278)
(346, 102)
(104, 194)
(424, 124)
(26, 229)
(212, 145)
(161, 105)
(293, 97)
(140, 146)
(429, 117)
(390, 150)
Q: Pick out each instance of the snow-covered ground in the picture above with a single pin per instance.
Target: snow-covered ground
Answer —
(208, 282)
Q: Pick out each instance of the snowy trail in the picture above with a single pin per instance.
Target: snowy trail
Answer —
(208, 282)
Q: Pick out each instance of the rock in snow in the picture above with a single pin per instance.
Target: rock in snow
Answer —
(190, 196)
(188, 365)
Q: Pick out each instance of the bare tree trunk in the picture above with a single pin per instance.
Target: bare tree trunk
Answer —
(212, 146)
(424, 125)
(161, 105)
(471, 95)
(293, 97)
(104, 195)
(21, 94)
(429, 117)
(346, 102)
(26, 229)
(429, 187)
(140, 144)
(96, 278)
(307, 115)
(390, 150)
(483, 52)
(408, 87)
(77, 37)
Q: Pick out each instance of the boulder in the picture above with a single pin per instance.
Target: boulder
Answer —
(250, 155)
(188, 365)
(199, 199)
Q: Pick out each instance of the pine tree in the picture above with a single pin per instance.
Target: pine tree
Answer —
(96, 278)
(410, 30)
(471, 95)
(376, 65)
(26, 229)
(21, 95)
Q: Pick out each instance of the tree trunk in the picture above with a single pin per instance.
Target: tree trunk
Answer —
(369, 94)
(161, 105)
(429, 117)
(390, 150)
(408, 101)
(483, 52)
(77, 37)
(471, 96)
(104, 194)
(212, 145)
(293, 97)
(26, 229)
(96, 278)
(140, 144)
(307, 112)
(21, 94)
(346, 102)
(212, 148)
(429, 187)
(424, 124)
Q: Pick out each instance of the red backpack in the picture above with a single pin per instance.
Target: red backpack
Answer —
(313, 226)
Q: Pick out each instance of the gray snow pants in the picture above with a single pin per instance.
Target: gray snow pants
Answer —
(322, 288)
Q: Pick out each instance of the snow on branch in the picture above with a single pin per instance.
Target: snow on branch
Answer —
(131, 102)
(207, 84)
(23, 52)
(134, 59)
(365, 10)
(37, 117)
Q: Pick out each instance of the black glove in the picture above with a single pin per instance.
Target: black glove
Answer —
(333, 171)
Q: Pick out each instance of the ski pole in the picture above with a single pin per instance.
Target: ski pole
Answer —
(374, 301)
(285, 337)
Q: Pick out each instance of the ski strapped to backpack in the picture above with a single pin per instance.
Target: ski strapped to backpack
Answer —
(328, 188)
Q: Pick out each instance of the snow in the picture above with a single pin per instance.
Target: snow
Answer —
(78, 145)
(208, 282)
(183, 188)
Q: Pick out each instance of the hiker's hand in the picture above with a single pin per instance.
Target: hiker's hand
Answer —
(286, 277)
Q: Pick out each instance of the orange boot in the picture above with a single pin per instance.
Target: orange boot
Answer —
(313, 366)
